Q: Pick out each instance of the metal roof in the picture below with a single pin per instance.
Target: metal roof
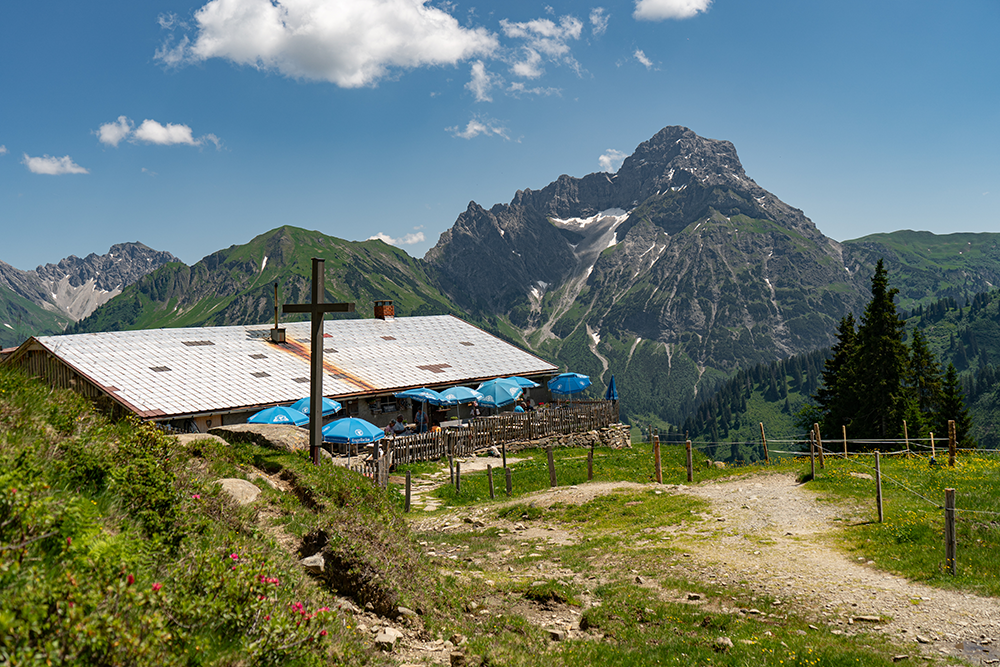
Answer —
(163, 373)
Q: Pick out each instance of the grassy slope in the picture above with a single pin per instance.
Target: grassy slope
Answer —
(119, 550)
(20, 318)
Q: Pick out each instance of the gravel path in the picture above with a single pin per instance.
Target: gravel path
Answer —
(775, 534)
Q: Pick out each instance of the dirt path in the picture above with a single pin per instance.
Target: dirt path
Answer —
(774, 533)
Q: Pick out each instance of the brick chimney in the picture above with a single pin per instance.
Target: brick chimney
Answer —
(384, 310)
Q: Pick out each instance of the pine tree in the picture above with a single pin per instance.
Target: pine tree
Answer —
(835, 396)
(879, 365)
(952, 406)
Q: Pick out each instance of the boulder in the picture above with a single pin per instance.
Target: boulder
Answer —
(240, 490)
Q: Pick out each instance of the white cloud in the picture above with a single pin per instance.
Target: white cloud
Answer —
(659, 10)
(543, 37)
(351, 43)
(3, 150)
(53, 166)
(477, 126)
(151, 132)
(599, 20)
(112, 133)
(641, 57)
(406, 239)
(481, 82)
(611, 160)
(517, 89)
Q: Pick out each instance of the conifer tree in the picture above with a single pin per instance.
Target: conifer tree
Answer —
(879, 365)
(952, 406)
(835, 396)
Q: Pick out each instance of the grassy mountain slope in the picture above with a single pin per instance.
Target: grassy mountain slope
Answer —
(967, 336)
(927, 267)
(20, 318)
(236, 285)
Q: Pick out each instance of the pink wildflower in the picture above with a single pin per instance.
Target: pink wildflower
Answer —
(130, 579)
(69, 541)
(157, 586)
(234, 556)
(196, 496)
(322, 633)
(267, 618)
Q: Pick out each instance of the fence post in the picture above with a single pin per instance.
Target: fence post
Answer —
(950, 542)
(503, 452)
(843, 431)
(763, 442)
(507, 471)
(819, 445)
(952, 443)
(933, 452)
(489, 476)
(552, 467)
(690, 462)
(906, 438)
(878, 485)
(451, 469)
(590, 464)
(407, 506)
(656, 459)
(458, 476)
(812, 455)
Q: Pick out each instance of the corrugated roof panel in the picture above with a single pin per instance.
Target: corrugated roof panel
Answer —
(219, 376)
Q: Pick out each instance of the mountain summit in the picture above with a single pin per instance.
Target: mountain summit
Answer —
(678, 263)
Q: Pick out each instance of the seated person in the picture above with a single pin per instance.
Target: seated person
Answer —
(398, 427)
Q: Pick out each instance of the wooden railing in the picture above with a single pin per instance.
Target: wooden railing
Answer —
(495, 430)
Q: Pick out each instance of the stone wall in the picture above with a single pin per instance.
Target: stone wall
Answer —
(615, 436)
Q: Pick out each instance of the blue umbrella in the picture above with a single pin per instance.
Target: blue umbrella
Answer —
(612, 393)
(498, 393)
(279, 415)
(353, 431)
(523, 382)
(568, 383)
(330, 406)
(422, 394)
(457, 395)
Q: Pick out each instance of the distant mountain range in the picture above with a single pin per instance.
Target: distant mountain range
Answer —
(53, 295)
(670, 274)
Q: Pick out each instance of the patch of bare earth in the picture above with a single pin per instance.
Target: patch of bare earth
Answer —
(764, 534)
(772, 535)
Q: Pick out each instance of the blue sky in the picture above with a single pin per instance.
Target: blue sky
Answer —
(194, 125)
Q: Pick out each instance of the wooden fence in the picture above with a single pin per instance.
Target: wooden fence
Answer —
(484, 432)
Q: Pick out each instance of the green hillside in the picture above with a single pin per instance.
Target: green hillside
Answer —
(21, 319)
(927, 267)
(967, 336)
(236, 285)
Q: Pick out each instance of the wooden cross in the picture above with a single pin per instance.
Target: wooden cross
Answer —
(317, 309)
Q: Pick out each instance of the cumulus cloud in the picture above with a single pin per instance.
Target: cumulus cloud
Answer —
(151, 132)
(52, 166)
(406, 239)
(611, 160)
(542, 38)
(598, 20)
(351, 43)
(660, 10)
(481, 82)
(641, 57)
(3, 150)
(478, 126)
(113, 133)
